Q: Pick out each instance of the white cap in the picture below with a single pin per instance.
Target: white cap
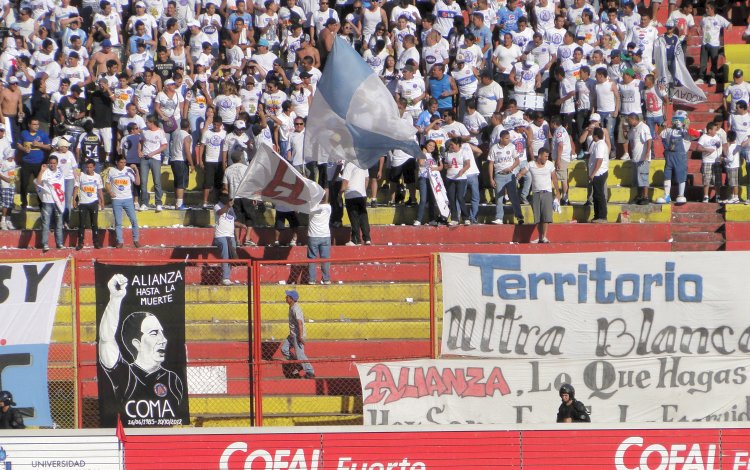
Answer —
(595, 117)
(63, 143)
(193, 23)
(239, 124)
(140, 4)
(296, 80)
(169, 82)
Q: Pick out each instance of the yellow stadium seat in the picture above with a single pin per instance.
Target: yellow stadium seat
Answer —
(737, 53)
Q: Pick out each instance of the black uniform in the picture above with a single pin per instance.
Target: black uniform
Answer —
(11, 419)
(575, 411)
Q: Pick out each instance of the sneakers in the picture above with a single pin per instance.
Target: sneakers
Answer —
(351, 243)
(326, 283)
(544, 240)
(159, 208)
(705, 199)
(293, 242)
(599, 221)
(311, 283)
(79, 247)
(434, 223)
(700, 82)
(119, 245)
(45, 248)
(32, 208)
(182, 208)
(453, 223)
(411, 202)
(520, 221)
(417, 223)
(734, 200)
(565, 201)
(664, 200)
(368, 242)
(207, 206)
(373, 203)
(226, 282)
(497, 222)
(712, 82)
(467, 222)
(136, 244)
(643, 201)
(681, 200)
(625, 157)
(142, 208)
(250, 243)
(3, 225)
(536, 240)
(9, 225)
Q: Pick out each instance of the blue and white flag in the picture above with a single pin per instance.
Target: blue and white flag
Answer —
(684, 89)
(353, 116)
(28, 302)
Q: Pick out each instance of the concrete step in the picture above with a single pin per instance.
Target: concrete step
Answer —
(698, 246)
(693, 207)
(698, 237)
(698, 217)
(737, 231)
(696, 227)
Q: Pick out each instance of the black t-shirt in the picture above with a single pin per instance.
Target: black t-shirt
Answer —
(91, 147)
(101, 108)
(70, 110)
(11, 419)
(164, 69)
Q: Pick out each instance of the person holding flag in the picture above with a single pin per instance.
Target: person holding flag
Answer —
(50, 183)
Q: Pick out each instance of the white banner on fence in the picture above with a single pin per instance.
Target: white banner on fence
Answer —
(28, 301)
(595, 305)
(629, 390)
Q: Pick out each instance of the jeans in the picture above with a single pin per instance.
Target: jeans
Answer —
(456, 198)
(356, 207)
(319, 247)
(472, 184)
(425, 198)
(69, 185)
(153, 165)
(228, 248)
(196, 122)
(48, 210)
(337, 205)
(609, 123)
(712, 53)
(525, 183)
(652, 122)
(119, 205)
(507, 182)
(299, 352)
(88, 211)
(599, 189)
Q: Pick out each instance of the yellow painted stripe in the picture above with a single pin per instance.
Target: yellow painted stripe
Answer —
(273, 404)
(737, 213)
(617, 194)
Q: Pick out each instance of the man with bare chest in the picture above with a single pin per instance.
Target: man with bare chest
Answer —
(11, 106)
(98, 62)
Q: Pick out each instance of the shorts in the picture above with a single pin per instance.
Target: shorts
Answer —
(282, 217)
(180, 172)
(105, 134)
(676, 164)
(641, 173)
(245, 210)
(407, 170)
(562, 173)
(733, 177)
(541, 205)
(213, 176)
(6, 197)
(711, 173)
(373, 170)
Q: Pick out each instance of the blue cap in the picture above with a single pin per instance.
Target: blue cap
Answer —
(263, 42)
(106, 43)
(293, 294)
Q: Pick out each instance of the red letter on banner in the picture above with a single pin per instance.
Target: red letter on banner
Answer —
(295, 189)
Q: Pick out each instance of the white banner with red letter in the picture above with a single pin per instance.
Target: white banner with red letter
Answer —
(275, 180)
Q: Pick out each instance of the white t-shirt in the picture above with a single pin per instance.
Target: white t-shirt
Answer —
(226, 106)
(637, 138)
(214, 142)
(710, 143)
(170, 106)
(599, 151)
(120, 182)
(52, 181)
(88, 187)
(8, 168)
(560, 135)
(541, 178)
(732, 158)
(357, 178)
(503, 157)
(712, 26)
(506, 56)
(454, 162)
(488, 97)
(741, 125)
(317, 225)
(224, 223)
(152, 140)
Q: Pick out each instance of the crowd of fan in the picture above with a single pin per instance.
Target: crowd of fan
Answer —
(120, 88)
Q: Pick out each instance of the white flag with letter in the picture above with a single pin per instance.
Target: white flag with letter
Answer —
(684, 89)
(275, 180)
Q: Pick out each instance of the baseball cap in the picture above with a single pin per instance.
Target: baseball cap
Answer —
(140, 5)
(529, 62)
(193, 24)
(140, 43)
(293, 294)
(75, 88)
(296, 80)
(737, 73)
(239, 124)
(679, 115)
(169, 82)
(284, 13)
(330, 21)
(63, 143)
(305, 74)
(2, 127)
(73, 55)
(630, 72)
(595, 117)
(12, 80)
(263, 42)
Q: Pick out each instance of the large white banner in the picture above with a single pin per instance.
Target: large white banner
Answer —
(642, 336)
(627, 390)
(274, 179)
(28, 300)
(93, 450)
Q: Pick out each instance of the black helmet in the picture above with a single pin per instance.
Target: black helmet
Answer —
(7, 398)
(567, 388)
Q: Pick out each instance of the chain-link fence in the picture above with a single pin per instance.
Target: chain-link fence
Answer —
(217, 342)
(372, 310)
(61, 371)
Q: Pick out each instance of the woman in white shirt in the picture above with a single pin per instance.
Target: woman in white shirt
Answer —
(428, 162)
(503, 57)
(543, 187)
(66, 161)
(457, 163)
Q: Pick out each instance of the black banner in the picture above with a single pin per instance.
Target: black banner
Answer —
(140, 318)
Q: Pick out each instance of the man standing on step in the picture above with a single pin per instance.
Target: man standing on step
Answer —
(676, 141)
(297, 335)
(709, 145)
(640, 145)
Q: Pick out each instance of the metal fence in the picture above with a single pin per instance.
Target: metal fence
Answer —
(373, 310)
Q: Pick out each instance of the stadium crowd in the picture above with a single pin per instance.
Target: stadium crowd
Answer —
(97, 96)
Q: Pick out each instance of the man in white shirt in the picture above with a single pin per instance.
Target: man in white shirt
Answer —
(709, 145)
(154, 143)
(354, 187)
(50, 184)
(120, 181)
(319, 242)
(598, 171)
(503, 159)
(213, 158)
(739, 90)
(711, 26)
(640, 144)
(88, 199)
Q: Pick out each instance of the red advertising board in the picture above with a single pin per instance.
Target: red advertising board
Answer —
(617, 449)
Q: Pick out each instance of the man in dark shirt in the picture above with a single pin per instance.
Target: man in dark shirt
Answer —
(571, 410)
(10, 418)
(164, 67)
(100, 97)
(72, 108)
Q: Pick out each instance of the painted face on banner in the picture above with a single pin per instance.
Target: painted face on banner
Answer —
(153, 343)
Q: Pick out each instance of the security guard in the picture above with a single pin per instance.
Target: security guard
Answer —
(571, 410)
(10, 418)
